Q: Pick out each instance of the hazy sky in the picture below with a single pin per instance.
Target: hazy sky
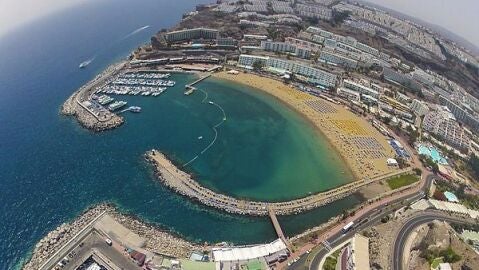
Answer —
(459, 16)
(17, 12)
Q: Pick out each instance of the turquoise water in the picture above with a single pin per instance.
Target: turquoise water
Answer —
(432, 153)
(52, 169)
(263, 151)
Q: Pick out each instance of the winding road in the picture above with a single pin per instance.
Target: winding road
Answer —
(410, 225)
(369, 218)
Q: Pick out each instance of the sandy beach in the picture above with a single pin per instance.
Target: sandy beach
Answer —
(363, 148)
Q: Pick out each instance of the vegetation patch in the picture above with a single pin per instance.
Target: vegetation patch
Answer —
(331, 260)
(435, 263)
(446, 255)
(402, 180)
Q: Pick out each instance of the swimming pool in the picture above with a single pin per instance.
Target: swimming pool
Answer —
(432, 153)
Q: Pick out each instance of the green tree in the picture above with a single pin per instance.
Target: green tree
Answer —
(449, 255)
(338, 17)
(474, 165)
(258, 65)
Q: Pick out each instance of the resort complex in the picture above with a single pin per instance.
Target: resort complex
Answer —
(369, 84)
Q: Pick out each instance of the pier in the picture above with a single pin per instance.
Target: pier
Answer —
(181, 182)
(277, 226)
(190, 87)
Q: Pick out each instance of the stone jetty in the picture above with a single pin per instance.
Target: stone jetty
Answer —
(183, 183)
(88, 114)
(158, 241)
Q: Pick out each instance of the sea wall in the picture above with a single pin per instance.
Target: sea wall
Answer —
(182, 183)
(75, 104)
(158, 241)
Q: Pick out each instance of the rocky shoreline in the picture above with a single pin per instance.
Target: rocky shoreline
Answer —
(158, 241)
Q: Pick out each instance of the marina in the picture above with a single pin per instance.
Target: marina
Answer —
(116, 105)
(104, 99)
(137, 83)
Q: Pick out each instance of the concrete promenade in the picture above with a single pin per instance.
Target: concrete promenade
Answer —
(182, 183)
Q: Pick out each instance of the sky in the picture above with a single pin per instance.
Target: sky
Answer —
(459, 16)
(14, 13)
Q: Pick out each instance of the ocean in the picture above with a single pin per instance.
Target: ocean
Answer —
(52, 169)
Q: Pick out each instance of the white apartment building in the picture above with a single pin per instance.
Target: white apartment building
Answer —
(337, 59)
(442, 123)
(314, 75)
(303, 43)
(360, 88)
(419, 107)
(189, 34)
(285, 47)
(355, 256)
(348, 94)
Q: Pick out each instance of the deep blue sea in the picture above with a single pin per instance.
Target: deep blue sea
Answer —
(51, 169)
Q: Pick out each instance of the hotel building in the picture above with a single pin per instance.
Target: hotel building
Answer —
(443, 124)
(190, 34)
(460, 113)
(355, 256)
(314, 75)
(337, 59)
(348, 94)
(393, 76)
(360, 88)
(285, 47)
(419, 108)
(303, 43)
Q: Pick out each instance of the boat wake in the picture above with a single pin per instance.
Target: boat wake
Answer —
(86, 62)
(135, 32)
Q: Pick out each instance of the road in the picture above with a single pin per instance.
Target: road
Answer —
(96, 243)
(370, 218)
(362, 221)
(410, 225)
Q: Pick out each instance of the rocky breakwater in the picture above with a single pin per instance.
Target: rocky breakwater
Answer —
(182, 183)
(88, 113)
(57, 238)
(158, 241)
